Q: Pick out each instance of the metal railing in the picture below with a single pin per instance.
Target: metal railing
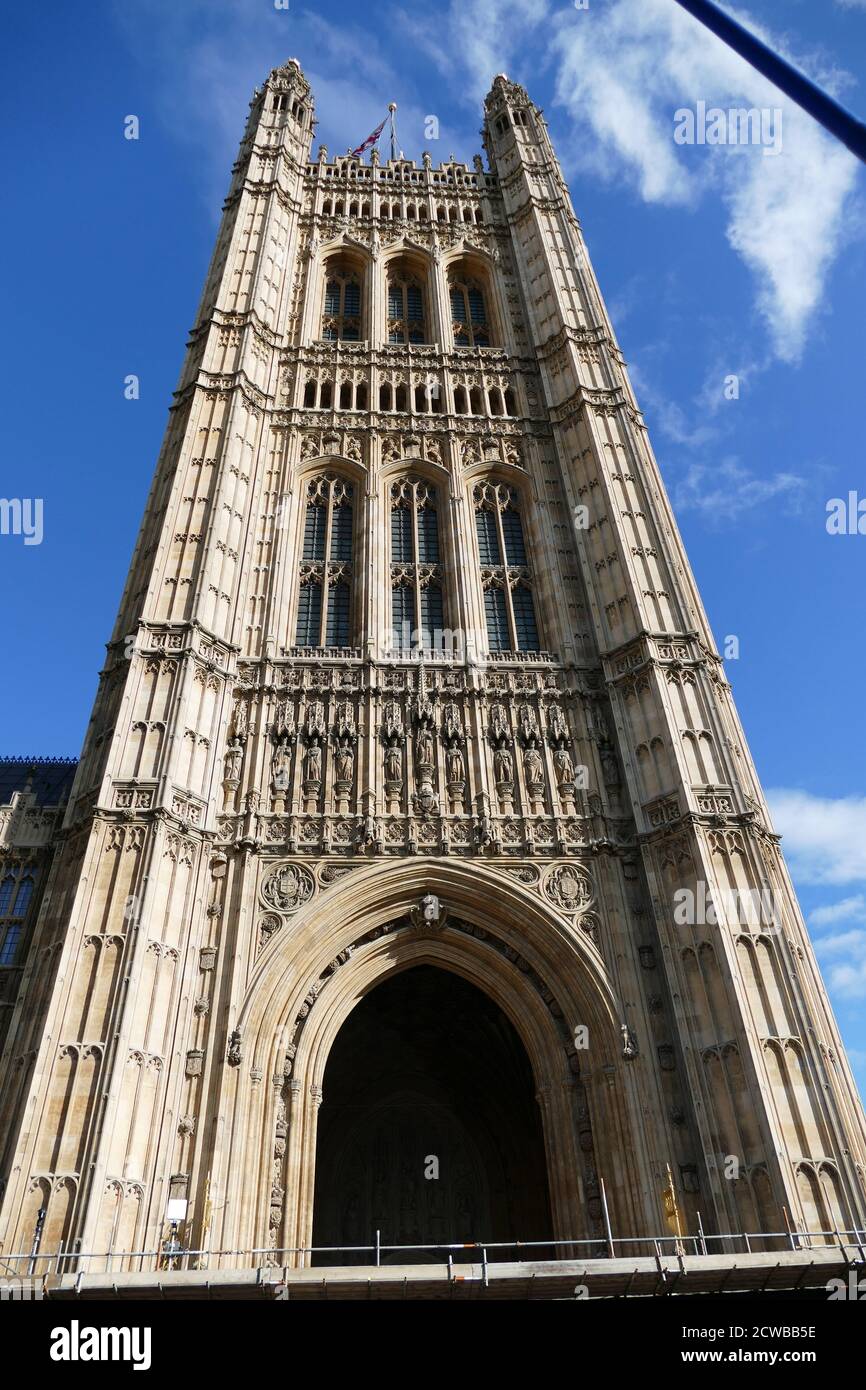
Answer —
(172, 1255)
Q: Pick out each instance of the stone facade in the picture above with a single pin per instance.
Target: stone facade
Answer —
(33, 796)
(403, 410)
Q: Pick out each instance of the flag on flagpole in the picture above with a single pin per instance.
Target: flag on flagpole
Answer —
(371, 139)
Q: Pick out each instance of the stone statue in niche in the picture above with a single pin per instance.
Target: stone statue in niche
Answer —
(424, 747)
(532, 767)
(503, 766)
(313, 762)
(500, 737)
(452, 739)
(454, 765)
(564, 769)
(233, 759)
(233, 1056)
(239, 720)
(609, 768)
(344, 761)
(394, 764)
(281, 765)
(392, 737)
(425, 800)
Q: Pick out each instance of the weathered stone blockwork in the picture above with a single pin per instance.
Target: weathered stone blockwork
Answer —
(278, 805)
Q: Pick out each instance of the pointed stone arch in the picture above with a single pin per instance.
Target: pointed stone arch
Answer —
(499, 937)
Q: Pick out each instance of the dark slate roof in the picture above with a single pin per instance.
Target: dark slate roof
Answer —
(50, 778)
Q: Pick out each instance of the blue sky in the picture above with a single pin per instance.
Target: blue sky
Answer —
(714, 261)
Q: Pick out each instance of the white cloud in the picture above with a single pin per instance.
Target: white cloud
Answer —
(621, 80)
(842, 942)
(670, 417)
(824, 839)
(785, 212)
(484, 37)
(725, 491)
(839, 912)
(846, 977)
(205, 58)
(712, 397)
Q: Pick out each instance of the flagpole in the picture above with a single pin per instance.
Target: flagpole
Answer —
(392, 107)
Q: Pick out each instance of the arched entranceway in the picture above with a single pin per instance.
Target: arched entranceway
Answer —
(496, 936)
(429, 1130)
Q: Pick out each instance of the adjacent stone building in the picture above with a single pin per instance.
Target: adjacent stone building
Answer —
(33, 797)
(415, 877)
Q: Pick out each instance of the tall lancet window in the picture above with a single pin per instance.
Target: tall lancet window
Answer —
(16, 890)
(509, 608)
(417, 607)
(341, 315)
(406, 310)
(469, 316)
(325, 598)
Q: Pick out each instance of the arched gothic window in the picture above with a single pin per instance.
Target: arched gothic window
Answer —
(22, 898)
(417, 609)
(325, 599)
(505, 577)
(469, 314)
(341, 316)
(9, 938)
(406, 317)
(7, 888)
(16, 892)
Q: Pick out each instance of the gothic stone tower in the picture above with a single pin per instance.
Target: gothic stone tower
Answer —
(411, 744)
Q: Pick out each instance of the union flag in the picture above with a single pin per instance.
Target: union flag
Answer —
(371, 139)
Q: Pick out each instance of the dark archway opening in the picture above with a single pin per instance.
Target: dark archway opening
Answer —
(427, 1076)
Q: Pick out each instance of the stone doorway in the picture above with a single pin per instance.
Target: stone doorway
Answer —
(428, 1076)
